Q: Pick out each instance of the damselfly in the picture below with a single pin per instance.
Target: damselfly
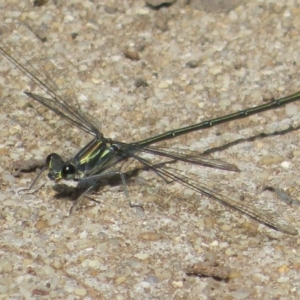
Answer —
(100, 158)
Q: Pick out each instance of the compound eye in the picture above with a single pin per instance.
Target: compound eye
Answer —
(68, 172)
(54, 161)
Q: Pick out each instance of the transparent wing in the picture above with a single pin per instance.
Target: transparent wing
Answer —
(264, 216)
(186, 155)
(199, 185)
(50, 77)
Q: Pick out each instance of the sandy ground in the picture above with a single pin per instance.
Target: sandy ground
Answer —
(139, 72)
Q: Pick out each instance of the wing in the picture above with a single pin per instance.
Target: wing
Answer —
(52, 78)
(192, 181)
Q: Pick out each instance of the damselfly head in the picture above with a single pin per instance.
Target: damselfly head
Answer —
(59, 169)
